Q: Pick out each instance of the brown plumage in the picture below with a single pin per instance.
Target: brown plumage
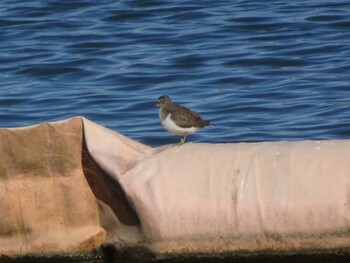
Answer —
(177, 119)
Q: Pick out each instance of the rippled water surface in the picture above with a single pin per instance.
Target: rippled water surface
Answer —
(259, 70)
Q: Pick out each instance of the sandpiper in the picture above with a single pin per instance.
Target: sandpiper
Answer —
(177, 119)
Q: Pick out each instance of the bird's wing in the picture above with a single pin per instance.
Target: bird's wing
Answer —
(186, 118)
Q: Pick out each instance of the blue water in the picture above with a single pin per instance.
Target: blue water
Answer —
(259, 70)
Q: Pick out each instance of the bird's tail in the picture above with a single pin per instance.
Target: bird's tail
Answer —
(209, 123)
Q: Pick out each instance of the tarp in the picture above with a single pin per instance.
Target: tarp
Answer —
(72, 186)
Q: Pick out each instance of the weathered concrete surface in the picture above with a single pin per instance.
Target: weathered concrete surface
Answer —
(71, 186)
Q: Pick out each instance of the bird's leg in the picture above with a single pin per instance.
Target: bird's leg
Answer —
(182, 141)
(183, 138)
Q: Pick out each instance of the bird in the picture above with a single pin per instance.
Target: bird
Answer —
(177, 119)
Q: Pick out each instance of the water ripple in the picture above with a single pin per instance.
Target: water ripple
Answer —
(259, 70)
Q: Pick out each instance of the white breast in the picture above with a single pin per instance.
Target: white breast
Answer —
(170, 126)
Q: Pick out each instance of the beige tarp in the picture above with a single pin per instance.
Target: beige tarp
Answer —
(73, 185)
